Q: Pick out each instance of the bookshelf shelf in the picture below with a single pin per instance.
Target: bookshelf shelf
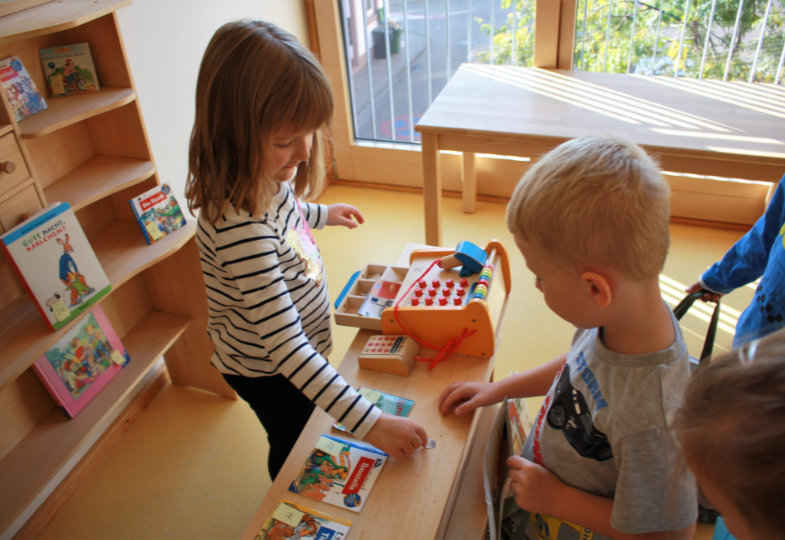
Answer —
(57, 440)
(99, 177)
(64, 111)
(91, 151)
(123, 254)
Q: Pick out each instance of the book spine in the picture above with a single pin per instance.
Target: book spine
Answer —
(30, 293)
(43, 375)
(140, 222)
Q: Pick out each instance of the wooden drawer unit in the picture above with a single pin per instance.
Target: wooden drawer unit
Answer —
(13, 169)
(17, 206)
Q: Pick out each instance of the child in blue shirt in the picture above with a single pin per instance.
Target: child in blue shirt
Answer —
(758, 254)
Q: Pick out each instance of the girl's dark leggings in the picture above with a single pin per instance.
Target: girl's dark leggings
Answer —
(281, 408)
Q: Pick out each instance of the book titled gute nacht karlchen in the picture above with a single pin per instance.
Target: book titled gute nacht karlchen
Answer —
(56, 264)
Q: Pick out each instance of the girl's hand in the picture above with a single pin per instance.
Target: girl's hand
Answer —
(535, 487)
(342, 214)
(466, 396)
(708, 297)
(396, 435)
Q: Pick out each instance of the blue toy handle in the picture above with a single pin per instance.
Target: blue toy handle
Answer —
(346, 288)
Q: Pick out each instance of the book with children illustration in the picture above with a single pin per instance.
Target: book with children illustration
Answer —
(157, 212)
(340, 472)
(22, 93)
(389, 403)
(56, 264)
(69, 69)
(291, 521)
(82, 362)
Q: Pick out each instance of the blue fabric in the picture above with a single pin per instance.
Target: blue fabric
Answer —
(758, 254)
(721, 531)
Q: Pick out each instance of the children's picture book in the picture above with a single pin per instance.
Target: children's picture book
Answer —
(505, 439)
(389, 403)
(82, 362)
(291, 521)
(20, 88)
(69, 69)
(340, 472)
(157, 212)
(56, 264)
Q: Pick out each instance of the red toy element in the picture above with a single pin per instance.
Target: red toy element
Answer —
(453, 319)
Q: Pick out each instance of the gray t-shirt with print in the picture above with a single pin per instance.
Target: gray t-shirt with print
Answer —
(603, 428)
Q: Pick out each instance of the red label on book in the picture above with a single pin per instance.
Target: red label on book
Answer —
(152, 200)
(359, 474)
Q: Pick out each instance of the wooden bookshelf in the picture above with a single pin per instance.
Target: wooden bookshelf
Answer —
(91, 151)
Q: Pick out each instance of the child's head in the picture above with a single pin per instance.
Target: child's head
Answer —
(731, 427)
(256, 82)
(595, 202)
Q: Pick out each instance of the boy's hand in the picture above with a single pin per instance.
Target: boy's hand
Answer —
(535, 487)
(466, 396)
(396, 435)
(342, 214)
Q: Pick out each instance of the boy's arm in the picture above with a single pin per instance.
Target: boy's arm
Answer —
(464, 397)
(538, 490)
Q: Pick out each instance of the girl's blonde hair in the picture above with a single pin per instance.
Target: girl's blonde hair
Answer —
(255, 79)
(731, 428)
(595, 201)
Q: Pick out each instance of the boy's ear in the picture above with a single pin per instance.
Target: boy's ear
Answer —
(599, 287)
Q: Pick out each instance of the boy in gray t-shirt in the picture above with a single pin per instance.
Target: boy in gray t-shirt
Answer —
(591, 221)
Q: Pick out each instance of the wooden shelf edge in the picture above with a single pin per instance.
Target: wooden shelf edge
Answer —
(123, 254)
(64, 111)
(60, 443)
(97, 178)
(54, 17)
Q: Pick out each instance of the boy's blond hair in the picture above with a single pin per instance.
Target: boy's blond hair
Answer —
(595, 201)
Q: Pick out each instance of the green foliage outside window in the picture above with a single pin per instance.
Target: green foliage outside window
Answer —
(685, 38)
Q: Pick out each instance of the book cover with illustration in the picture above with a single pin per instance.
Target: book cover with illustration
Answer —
(389, 403)
(69, 69)
(82, 362)
(157, 212)
(24, 97)
(56, 263)
(291, 521)
(340, 472)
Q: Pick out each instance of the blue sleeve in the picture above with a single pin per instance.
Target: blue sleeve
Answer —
(746, 260)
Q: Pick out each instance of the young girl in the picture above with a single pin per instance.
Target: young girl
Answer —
(262, 101)
(731, 427)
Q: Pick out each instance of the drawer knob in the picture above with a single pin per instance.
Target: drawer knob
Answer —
(7, 167)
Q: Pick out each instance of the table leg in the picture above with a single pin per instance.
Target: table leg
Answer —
(432, 189)
(469, 183)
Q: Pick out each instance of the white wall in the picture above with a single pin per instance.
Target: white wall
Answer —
(164, 41)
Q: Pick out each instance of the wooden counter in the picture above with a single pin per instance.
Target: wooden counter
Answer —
(415, 497)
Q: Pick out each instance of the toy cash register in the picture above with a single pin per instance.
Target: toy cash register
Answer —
(447, 300)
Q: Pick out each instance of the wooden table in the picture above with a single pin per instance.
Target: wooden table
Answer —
(714, 128)
(415, 497)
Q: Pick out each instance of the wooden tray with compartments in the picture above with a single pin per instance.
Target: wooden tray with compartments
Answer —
(367, 293)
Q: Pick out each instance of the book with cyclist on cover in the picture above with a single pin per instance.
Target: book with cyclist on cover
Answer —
(69, 69)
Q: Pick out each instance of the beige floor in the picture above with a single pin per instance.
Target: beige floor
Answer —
(193, 466)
